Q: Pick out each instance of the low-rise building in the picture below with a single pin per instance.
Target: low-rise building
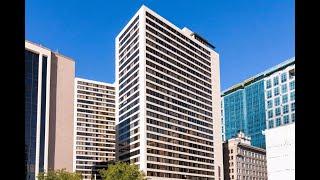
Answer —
(242, 161)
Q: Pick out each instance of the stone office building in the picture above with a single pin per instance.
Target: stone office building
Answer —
(242, 161)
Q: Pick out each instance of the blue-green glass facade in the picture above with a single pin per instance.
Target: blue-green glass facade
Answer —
(234, 113)
(244, 109)
(249, 105)
(255, 113)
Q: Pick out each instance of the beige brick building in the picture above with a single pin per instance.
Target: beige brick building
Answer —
(167, 100)
(242, 161)
(94, 144)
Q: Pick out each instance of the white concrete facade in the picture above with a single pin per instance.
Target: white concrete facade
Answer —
(280, 96)
(280, 148)
(167, 100)
(94, 127)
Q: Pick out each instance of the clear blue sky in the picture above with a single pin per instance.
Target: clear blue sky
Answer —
(249, 35)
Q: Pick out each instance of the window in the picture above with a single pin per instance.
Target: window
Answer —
(293, 106)
(268, 83)
(285, 109)
(277, 101)
(292, 85)
(293, 117)
(276, 91)
(269, 94)
(285, 98)
(271, 124)
(291, 73)
(278, 111)
(275, 81)
(284, 88)
(292, 96)
(283, 77)
(270, 114)
(269, 104)
(278, 121)
(286, 119)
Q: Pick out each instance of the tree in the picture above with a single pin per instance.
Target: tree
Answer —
(59, 175)
(122, 171)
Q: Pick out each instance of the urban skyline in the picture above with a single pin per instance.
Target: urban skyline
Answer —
(251, 36)
(165, 111)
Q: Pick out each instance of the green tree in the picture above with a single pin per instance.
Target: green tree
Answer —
(122, 171)
(61, 174)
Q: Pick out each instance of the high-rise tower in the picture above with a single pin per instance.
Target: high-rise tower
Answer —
(94, 144)
(49, 83)
(167, 100)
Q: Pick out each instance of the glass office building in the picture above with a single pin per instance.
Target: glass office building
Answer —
(253, 105)
(36, 109)
(244, 110)
(234, 109)
(31, 97)
(255, 111)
